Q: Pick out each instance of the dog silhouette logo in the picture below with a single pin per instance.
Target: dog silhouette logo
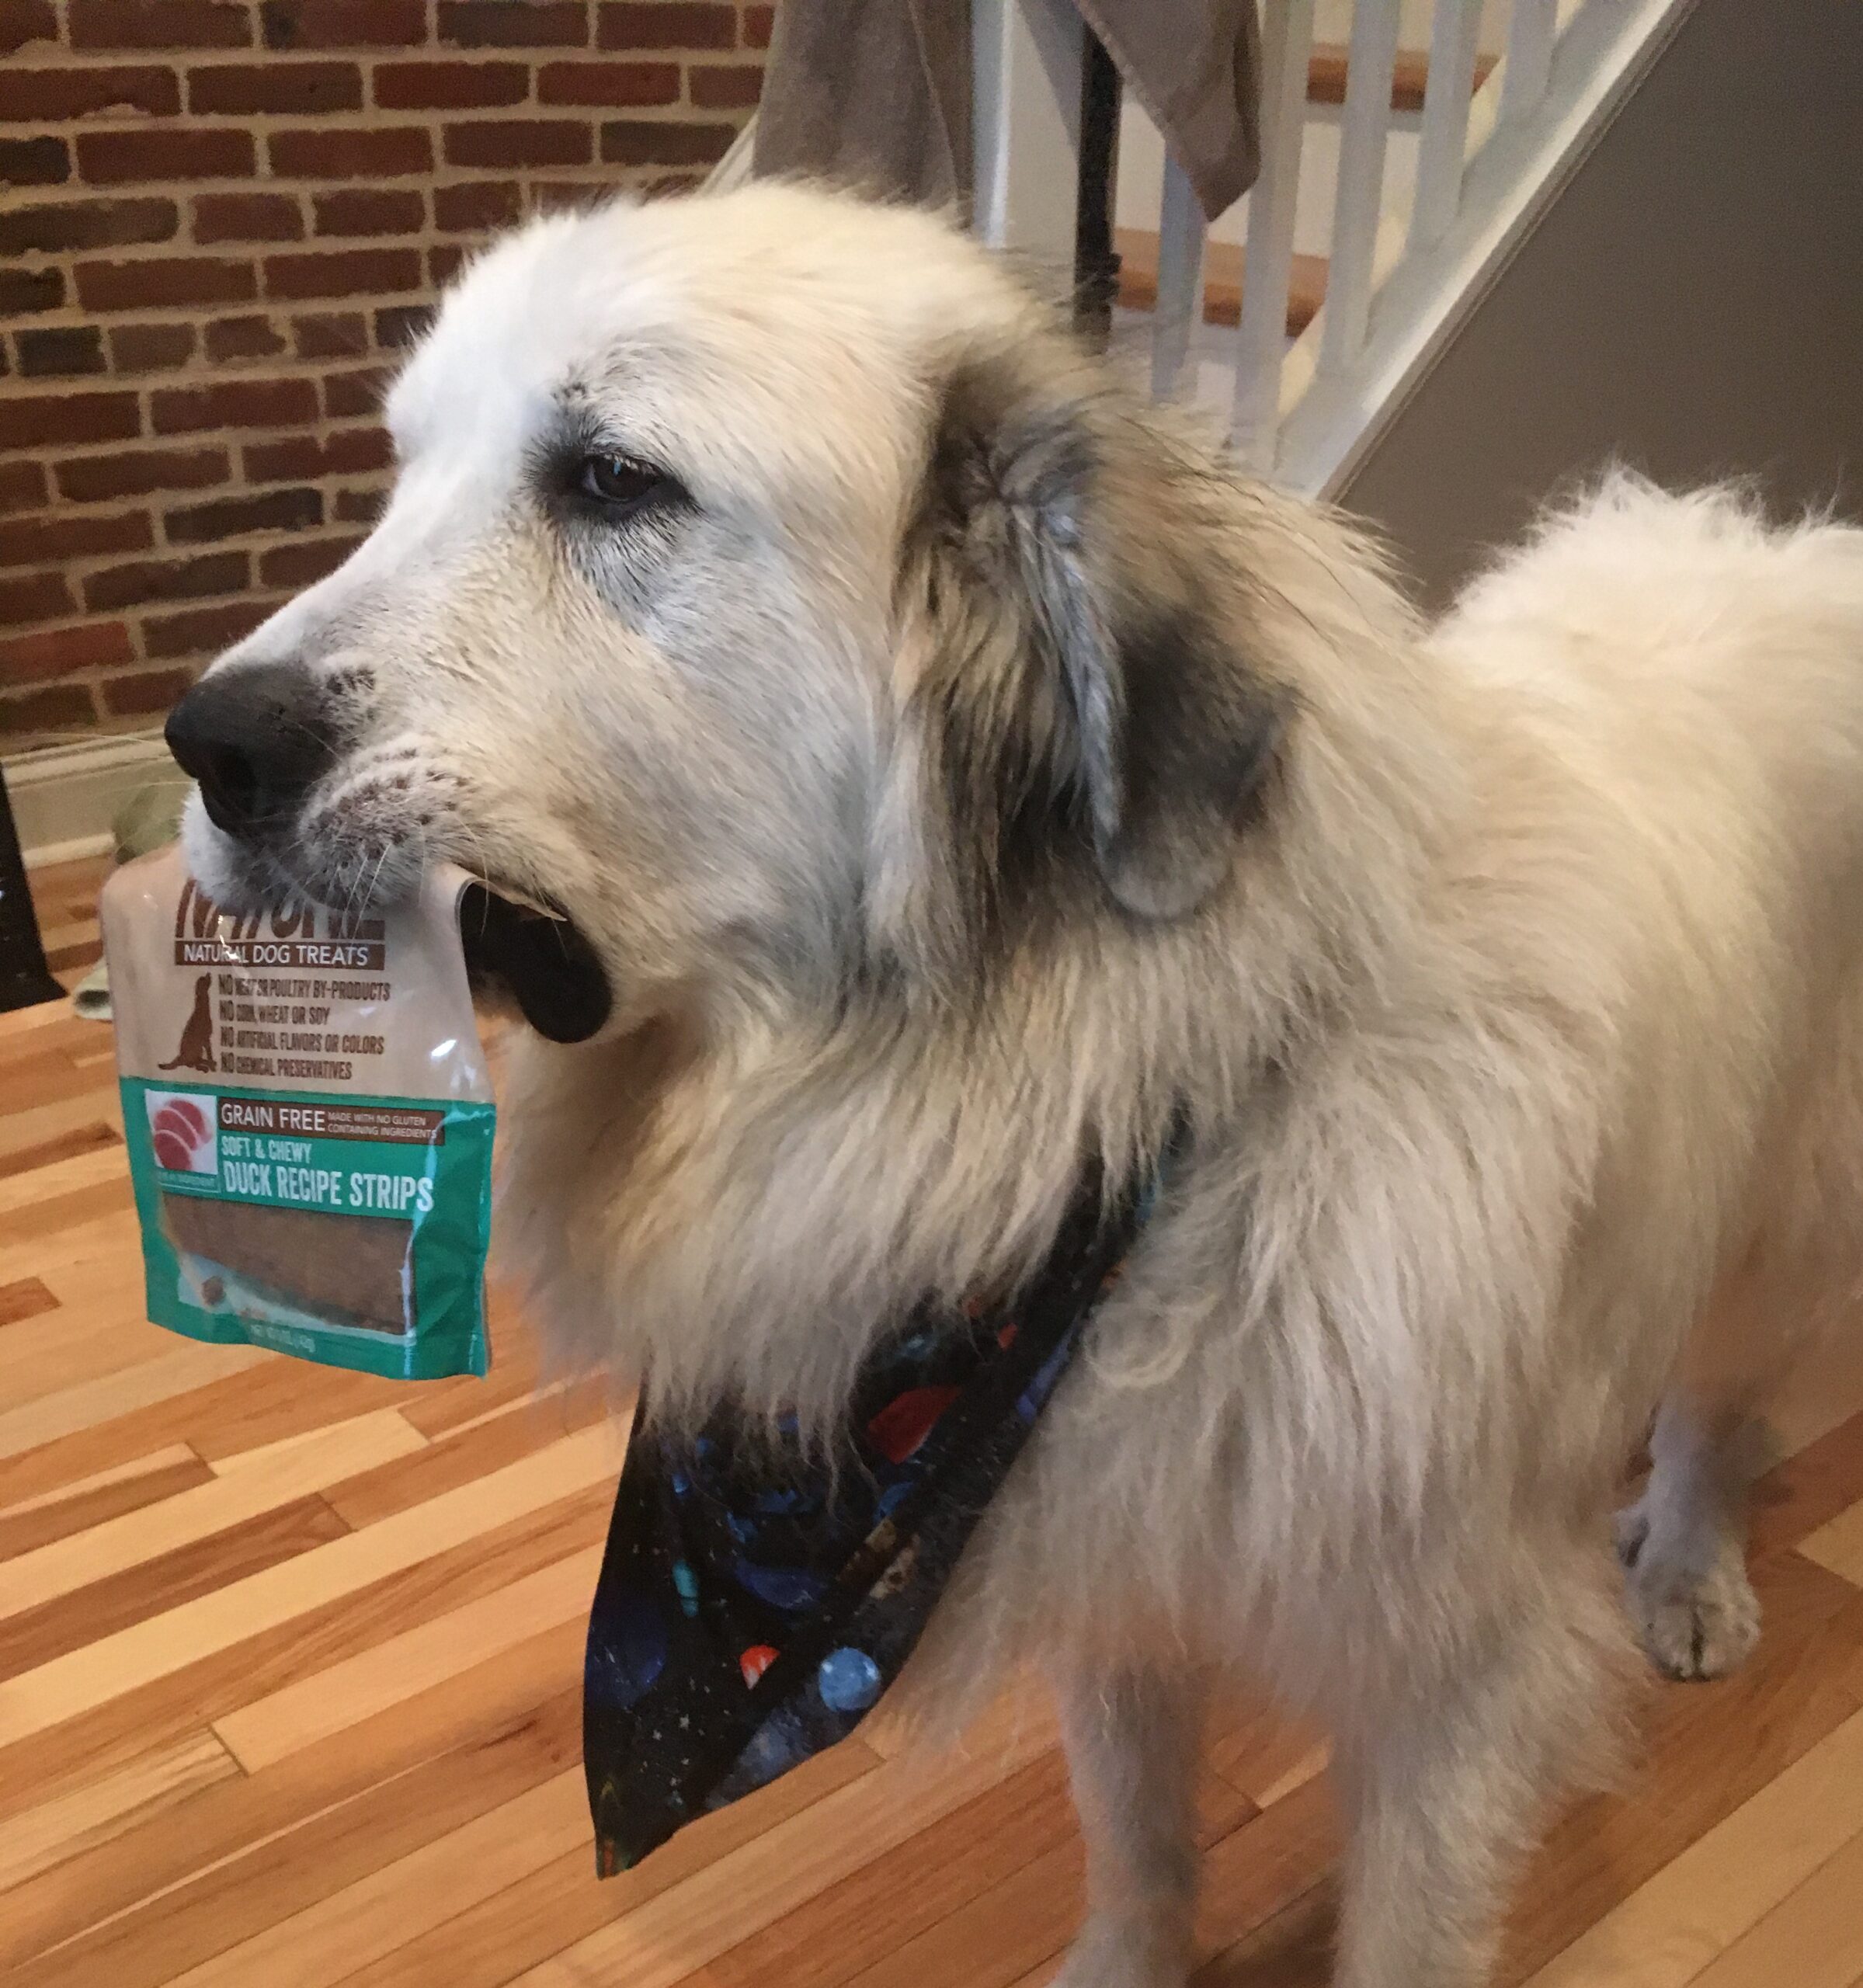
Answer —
(197, 1049)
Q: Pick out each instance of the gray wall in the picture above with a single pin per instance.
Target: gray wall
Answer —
(1692, 303)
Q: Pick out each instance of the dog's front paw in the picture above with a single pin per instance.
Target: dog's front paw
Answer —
(1689, 1598)
(1125, 1955)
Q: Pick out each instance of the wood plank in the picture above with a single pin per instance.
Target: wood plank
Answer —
(1021, 1919)
(37, 1639)
(1810, 1489)
(265, 1915)
(1709, 1748)
(1222, 278)
(1665, 1933)
(99, 1238)
(24, 1230)
(366, 1776)
(894, 1899)
(174, 1366)
(108, 1666)
(1259, 1749)
(25, 1299)
(73, 1508)
(490, 1941)
(330, 1453)
(56, 1180)
(211, 1686)
(1025, 1706)
(1022, 1923)
(312, 1708)
(1261, 1868)
(34, 1840)
(1330, 64)
(35, 1022)
(65, 1348)
(455, 1457)
(46, 1071)
(100, 1104)
(1292, 1949)
(717, 1907)
(238, 1398)
(1838, 1544)
(290, 1472)
(94, 1135)
(327, 1942)
(439, 1407)
(1813, 1940)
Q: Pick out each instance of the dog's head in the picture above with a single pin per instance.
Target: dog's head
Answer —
(769, 590)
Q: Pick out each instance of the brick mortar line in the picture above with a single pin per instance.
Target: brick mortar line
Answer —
(159, 502)
(140, 611)
(183, 64)
(32, 387)
(443, 178)
(260, 46)
(183, 245)
(206, 313)
(165, 551)
(284, 368)
(368, 117)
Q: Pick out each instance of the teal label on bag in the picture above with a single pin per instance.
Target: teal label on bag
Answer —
(327, 1226)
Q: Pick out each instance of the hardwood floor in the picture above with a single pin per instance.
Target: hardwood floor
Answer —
(289, 1693)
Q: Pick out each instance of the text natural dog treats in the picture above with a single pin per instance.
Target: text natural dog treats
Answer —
(309, 1122)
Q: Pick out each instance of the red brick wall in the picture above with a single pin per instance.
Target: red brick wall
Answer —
(222, 218)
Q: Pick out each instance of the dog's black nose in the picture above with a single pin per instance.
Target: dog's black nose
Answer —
(256, 737)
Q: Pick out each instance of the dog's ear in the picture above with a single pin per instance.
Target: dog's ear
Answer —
(1129, 677)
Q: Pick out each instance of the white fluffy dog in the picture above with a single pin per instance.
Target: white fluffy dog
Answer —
(952, 768)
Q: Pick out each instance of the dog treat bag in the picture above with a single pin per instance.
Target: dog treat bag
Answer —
(309, 1122)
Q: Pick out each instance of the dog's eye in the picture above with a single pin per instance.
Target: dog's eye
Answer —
(619, 483)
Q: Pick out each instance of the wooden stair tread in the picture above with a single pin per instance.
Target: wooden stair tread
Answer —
(1330, 63)
(1222, 263)
(1327, 72)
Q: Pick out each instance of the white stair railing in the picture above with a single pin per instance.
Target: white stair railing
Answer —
(1027, 62)
(1287, 48)
(1402, 267)
(1455, 43)
(1182, 235)
(1531, 35)
(1358, 202)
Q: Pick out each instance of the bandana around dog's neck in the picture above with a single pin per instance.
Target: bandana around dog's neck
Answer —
(755, 1601)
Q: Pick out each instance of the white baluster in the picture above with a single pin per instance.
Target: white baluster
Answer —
(1531, 35)
(1181, 231)
(1364, 126)
(1454, 39)
(1026, 67)
(1286, 48)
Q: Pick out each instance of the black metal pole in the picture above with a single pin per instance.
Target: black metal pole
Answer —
(1096, 260)
(25, 978)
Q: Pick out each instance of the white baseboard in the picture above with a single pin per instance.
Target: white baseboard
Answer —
(65, 798)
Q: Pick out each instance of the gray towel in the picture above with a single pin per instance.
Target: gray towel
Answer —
(877, 93)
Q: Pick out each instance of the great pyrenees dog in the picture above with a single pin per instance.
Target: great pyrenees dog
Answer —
(947, 766)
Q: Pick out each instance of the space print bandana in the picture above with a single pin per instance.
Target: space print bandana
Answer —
(755, 1601)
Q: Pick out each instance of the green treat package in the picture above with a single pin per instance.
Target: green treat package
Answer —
(309, 1122)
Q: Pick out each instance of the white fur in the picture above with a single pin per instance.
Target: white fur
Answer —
(1522, 1021)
